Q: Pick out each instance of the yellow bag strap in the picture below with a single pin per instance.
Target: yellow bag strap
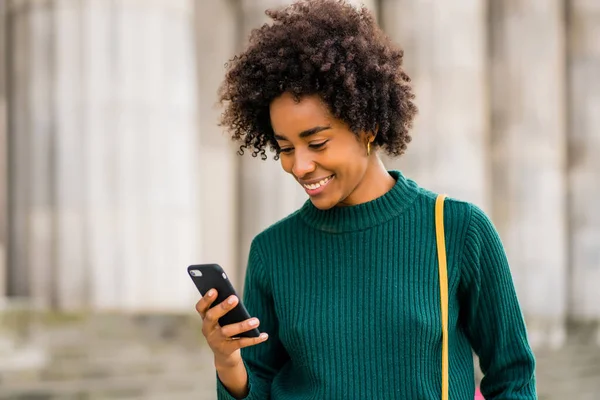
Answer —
(441, 250)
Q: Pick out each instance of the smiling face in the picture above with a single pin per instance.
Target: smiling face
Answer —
(321, 152)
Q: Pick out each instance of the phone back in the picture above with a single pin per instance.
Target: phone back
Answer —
(212, 276)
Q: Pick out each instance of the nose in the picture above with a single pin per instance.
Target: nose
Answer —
(303, 164)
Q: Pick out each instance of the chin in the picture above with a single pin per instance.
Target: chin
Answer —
(323, 204)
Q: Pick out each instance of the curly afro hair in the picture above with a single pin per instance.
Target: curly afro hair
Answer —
(328, 48)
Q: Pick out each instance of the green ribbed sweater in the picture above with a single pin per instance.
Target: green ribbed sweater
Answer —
(350, 299)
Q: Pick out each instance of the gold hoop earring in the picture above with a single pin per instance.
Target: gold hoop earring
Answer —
(368, 148)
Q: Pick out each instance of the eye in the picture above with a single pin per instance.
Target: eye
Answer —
(286, 150)
(317, 145)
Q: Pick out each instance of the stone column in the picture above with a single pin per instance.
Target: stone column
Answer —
(29, 179)
(528, 103)
(267, 193)
(584, 163)
(217, 39)
(444, 47)
(104, 161)
(3, 153)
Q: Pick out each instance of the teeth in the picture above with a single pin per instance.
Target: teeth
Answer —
(318, 184)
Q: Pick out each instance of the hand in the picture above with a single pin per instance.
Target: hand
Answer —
(225, 348)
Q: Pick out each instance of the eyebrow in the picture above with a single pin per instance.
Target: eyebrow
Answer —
(306, 133)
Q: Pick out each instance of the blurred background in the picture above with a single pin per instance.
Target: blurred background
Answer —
(114, 177)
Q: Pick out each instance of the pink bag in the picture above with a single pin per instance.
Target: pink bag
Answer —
(478, 395)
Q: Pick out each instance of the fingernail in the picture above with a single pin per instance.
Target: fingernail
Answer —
(263, 336)
(210, 293)
(253, 322)
(231, 300)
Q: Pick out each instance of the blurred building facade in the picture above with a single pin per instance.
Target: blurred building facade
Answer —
(116, 176)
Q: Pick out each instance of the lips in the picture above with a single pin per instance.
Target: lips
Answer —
(317, 187)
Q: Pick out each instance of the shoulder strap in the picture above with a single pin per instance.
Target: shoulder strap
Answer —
(441, 251)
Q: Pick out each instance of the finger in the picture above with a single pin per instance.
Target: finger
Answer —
(203, 305)
(235, 329)
(213, 314)
(247, 342)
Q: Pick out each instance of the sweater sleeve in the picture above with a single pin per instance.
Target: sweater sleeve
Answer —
(493, 319)
(263, 360)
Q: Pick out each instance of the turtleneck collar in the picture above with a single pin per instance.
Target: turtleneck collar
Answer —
(365, 215)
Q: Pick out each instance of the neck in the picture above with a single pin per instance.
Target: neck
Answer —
(375, 183)
(368, 214)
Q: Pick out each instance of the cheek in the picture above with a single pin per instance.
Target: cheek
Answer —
(351, 159)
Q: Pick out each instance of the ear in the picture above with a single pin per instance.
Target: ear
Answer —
(365, 137)
(370, 136)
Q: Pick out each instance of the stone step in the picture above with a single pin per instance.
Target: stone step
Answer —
(74, 370)
(141, 386)
(138, 349)
(110, 363)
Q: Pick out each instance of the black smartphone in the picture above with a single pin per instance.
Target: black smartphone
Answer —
(212, 276)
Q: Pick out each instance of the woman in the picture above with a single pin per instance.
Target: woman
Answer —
(346, 289)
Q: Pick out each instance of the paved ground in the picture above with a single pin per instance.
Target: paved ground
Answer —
(111, 357)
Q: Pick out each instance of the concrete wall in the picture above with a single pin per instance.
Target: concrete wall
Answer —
(120, 177)
(105, 152)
